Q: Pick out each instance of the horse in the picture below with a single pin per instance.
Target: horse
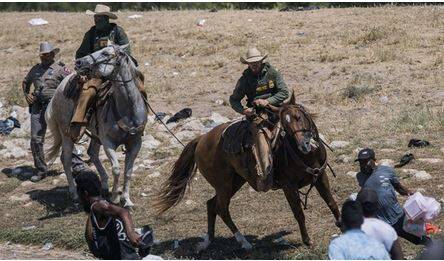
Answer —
(119, 120)
(299, 160)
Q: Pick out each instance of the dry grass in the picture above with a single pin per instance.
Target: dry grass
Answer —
(340, 62)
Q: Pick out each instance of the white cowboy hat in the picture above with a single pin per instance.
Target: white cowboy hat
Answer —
(253, 55)
(46, 47)
(102, 10)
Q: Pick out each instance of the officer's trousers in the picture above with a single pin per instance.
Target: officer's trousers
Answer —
(38, 131)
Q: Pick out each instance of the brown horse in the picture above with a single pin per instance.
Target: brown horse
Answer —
(298, 163)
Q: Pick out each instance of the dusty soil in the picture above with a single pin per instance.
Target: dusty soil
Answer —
(388, 60)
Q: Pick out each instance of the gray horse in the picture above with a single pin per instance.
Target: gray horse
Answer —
(119, 121)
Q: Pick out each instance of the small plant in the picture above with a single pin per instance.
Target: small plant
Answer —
(360, 86)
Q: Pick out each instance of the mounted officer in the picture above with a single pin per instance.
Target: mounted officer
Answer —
(45, 77)
(98, 37)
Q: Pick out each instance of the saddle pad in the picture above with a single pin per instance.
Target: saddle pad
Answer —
(237, 137)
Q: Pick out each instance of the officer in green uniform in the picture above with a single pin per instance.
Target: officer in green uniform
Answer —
(45, 77)
(261, 83)
(95, 39)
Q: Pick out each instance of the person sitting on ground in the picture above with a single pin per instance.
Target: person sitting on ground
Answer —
(383, 180)
(109, 230)
(354, 243)
(376, 228)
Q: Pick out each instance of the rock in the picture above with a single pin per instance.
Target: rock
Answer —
(135, 16)
(152, 257)
(422, 175)
(339, 144)
(62, 176)
(386, 162)
(200, 22)
(55, 182)
(29, 227)
(189, 202)
(384, 99)
(218, 119)
(47, 246)
(351, 174)
(193, 125)
(344, 158)
(442, 150)
(143, 194)
(409, 171)
(27, 183)
(149, 142)
(422, 190)
(185, 135)
(220, 102)
(37, 21)
(22, 198)
(430, 160)
(27, 205)
(154, 174)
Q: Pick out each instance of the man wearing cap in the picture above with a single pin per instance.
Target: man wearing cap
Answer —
(261, 83)
(95, 39)
(45, 77)
(383, 180)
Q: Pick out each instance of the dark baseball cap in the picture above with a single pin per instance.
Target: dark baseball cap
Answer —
(366, 154)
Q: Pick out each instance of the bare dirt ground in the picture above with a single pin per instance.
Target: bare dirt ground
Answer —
(374, 76)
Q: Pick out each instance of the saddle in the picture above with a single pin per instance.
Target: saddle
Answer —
(237, 137)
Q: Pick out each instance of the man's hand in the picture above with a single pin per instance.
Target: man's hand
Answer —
(83, 78)
(30, 98)
(134, 238)
(248, 112)
(261, 103)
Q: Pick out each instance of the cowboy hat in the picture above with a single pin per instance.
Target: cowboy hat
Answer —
(46, 47)
(102, 10)
(253, 55)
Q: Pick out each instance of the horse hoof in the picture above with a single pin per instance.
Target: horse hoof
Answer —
(204, 244)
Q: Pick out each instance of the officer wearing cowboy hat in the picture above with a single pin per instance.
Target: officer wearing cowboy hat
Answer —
(261, 83)
(45, 77)
(95, 39)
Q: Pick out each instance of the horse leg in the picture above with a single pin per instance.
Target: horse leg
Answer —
(213, 210)
(93, 153)
(130, 157)
(323, 187)
(112, 156)
(295, 204)
(67, 147)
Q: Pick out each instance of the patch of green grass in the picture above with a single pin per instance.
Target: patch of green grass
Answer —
(9, 185)
(414, 119)
(360, 86)
(369, 35)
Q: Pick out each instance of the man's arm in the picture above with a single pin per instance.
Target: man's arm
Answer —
(26, 86)
(85, 47)
(237, 96)
(282, 93)
(396, 251)
(398, 186)
(119, 212)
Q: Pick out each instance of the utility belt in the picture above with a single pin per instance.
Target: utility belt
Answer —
(39, 104)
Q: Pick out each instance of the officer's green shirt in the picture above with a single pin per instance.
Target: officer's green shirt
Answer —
(95, 40)
(45, 79)
(268, 84)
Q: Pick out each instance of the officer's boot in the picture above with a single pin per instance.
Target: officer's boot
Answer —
(79, 120)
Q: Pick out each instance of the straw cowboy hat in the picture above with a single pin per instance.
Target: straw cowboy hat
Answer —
(253, 55)
(46, 47)
(102, 10)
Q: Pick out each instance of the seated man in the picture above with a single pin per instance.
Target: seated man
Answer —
(354, 243)
(376, 228)
(383, 180)
(262, 85)
(110, 230)
(95, 39)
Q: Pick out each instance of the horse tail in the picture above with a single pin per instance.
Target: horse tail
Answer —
(174, 188)
(54, 136)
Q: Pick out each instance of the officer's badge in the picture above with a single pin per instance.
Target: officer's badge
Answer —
(270, 84)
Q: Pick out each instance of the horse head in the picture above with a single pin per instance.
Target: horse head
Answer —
(262, 152)
(101, 63)
(298, 123)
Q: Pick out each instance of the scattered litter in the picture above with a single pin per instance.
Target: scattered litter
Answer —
(37, 21)
(160, 116)
(147, 64)
(220, 102)
(200, 22)
(213, 10)
(339, 144)
(418, 143)
(152, 257)
(432, 229)
(47, 246)
(175, 73)
(183, 114)
(143, 194)
(422, 175)
(6, 126)
(300, 33)
(136, 16)
(353, 196)
(28, 227)
(405, 160)
(249, 20)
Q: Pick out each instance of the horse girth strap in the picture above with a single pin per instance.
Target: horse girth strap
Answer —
(130, 130)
